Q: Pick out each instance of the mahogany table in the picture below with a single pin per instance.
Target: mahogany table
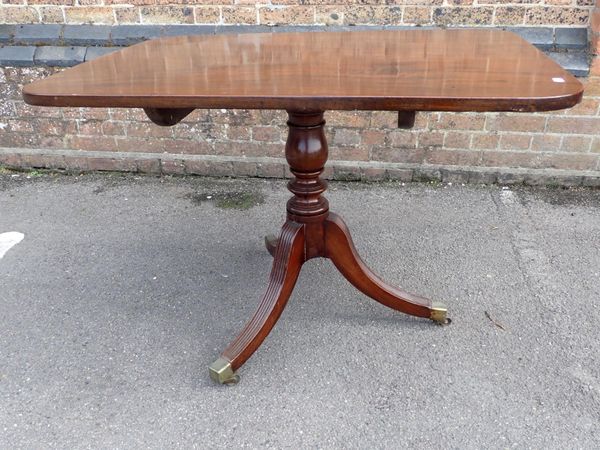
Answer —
(307, 74)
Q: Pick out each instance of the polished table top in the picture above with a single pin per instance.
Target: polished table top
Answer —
(442, 70)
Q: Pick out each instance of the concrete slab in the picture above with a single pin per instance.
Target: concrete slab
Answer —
(125, 288)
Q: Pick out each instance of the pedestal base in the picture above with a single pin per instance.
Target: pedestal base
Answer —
(311, 231)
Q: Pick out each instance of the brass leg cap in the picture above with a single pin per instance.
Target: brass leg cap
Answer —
(221, 372)
(439, 313)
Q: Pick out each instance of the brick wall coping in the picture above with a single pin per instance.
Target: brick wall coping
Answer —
(58, 45)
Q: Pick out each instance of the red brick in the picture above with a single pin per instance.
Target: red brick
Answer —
(595, 20)
(430, 139)
(556, 15)
(453, 121)
(112, 164)
(210, 168)
(234, 117)
(12, 160)
(237, 133)
(405, 175)
(515, 141)
(127, 114)
(271, 170)
(398, 155)
(457, 140)
(494, 158)
(147, 165)
(372, 174)
(239, 15)
(49, 126)
(346, 137)
(594, 37)
(203, 131)
(244, 168)
(570, 161)
(89, 14)
(372, 15)
(416, 15)
(518, 122)
(183, 146)
(592, 86)
(20, 126)
(384, 119)
(587, 107)
(574, 125)
(147, 129)
(342, 153)
(402, 139)
(348, 119)
(595, 67)
(24, 110)
(372, 137)
(99, 143)
(172, 166)
(248, 149)
(266, 134)
(545, 143)
(42, 161)
(290, 15)
(113, 128)
(540, 160)
(131, 144)
(453, 157)
(93, 113)
(71, 113)
(485, 141)
(178, 14)
(580, 144)
(90, 128)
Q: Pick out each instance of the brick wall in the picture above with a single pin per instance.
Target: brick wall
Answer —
(338, 12)
(490, 147)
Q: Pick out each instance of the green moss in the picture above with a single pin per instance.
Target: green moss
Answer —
(229, 200)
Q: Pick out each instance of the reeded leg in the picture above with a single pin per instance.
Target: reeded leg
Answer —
(288, 259)
(340, 249)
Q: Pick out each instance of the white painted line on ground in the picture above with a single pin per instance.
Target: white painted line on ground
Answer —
(9, 240)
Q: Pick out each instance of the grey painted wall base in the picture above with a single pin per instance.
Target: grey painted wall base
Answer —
(237, 166)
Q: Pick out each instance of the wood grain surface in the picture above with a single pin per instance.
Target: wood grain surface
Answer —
(442, 70)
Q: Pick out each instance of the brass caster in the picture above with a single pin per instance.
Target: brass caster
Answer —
(439, 313)
(221, 372)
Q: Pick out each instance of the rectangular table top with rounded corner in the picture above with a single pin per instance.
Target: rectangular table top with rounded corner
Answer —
(441, 70)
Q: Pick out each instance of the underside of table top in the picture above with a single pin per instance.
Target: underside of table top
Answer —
(441, 70)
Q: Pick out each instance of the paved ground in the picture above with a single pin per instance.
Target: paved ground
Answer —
(124, 289)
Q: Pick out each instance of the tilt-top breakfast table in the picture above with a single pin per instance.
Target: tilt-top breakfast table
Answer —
(307, 74)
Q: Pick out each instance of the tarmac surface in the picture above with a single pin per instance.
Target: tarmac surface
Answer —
(124, 289)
